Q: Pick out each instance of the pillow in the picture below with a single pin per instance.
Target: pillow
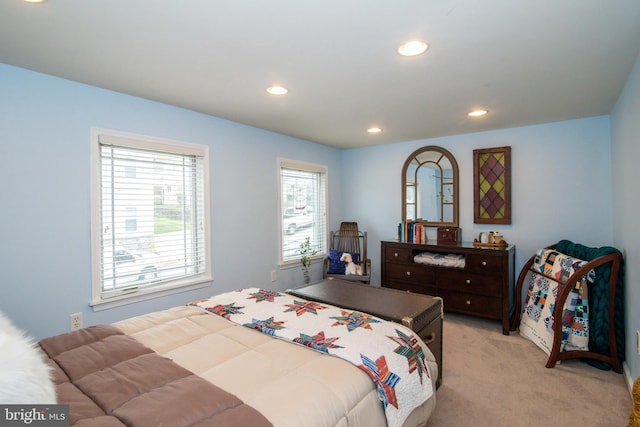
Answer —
(25, 376)
(335, 265)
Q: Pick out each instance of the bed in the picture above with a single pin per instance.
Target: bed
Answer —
(200, 365)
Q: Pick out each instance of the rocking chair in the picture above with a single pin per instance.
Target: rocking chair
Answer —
(348, 239)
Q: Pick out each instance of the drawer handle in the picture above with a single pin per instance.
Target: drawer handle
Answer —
(468, 302)
(484, 263)
(408, 273)
(430, 338)
(468, 281)
(395, 254)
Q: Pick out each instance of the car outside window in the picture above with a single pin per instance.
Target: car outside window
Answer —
(302, 208)
(150, 226)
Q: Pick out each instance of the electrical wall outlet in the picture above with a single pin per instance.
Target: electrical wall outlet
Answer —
(75, 321)
(274, 276)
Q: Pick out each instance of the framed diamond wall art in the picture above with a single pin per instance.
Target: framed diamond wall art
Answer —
(492, 185)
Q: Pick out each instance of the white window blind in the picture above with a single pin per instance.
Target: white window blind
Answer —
(303, 198)
(151, 215)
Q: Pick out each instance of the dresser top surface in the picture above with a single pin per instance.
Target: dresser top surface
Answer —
(449, 246)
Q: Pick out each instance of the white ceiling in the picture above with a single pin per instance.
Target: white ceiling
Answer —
(526, 61)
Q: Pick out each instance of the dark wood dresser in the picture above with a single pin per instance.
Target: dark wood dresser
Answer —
(483, 287)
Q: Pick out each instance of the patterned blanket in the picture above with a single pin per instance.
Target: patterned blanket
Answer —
(388, 352)
(537, 318)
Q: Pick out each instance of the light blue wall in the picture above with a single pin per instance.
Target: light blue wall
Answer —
(44, 199)
(560, 184)
(625, 127)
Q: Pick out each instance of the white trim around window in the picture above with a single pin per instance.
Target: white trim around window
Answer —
(150, 217)
(302, 208)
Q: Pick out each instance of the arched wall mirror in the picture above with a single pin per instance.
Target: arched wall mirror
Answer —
(430, 187)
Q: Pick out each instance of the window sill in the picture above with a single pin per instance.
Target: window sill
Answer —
(147, 294)
(296, 262)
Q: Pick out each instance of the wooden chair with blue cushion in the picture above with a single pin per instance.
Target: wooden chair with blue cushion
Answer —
(348, 239)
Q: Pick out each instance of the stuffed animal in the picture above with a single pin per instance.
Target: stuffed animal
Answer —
(350, 267)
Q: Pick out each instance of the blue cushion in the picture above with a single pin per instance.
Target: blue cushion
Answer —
(335, 265)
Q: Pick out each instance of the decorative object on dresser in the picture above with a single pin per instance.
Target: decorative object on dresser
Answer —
(492, 239)
(582, 287)
(471, 280)
(492, 185)
(420, 313)
(354, 242)
(448, 235)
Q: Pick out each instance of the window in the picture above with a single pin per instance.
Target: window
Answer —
(131, 222)
(303, 194)
(150, 225)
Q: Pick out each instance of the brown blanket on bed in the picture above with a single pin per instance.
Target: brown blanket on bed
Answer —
(110, 379)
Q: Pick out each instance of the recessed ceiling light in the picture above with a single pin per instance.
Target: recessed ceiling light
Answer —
(413, 48)
(34, 1)
(374, 130)
(277, 90)
(477, 113)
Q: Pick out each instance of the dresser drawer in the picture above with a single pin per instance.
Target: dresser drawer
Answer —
(481, 305)
(489, 284)
(410, 272)
(482, 288)
(479, 263)
(416, 287)
(394, 254)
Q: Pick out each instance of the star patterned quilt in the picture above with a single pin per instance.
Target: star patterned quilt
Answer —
(389, 353)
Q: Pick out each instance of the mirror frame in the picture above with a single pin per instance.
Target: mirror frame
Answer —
(454, 167)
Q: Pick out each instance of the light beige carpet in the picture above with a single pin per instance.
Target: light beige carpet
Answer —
(490, 379)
